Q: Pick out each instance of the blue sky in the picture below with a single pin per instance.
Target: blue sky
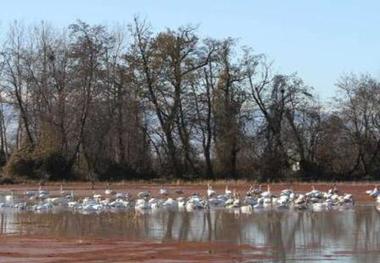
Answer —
(320, 40)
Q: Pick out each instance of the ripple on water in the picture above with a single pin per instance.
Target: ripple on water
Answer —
(344, 236)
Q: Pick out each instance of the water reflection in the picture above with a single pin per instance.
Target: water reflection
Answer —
(348, 236)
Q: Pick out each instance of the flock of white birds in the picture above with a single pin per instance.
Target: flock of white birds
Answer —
(254, 199)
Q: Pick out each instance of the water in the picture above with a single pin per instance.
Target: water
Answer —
(343, 236)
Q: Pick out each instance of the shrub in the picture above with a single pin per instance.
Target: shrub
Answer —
(32, 164)
(123, 171)
(22, 164)
(56, 166)
(7, 180)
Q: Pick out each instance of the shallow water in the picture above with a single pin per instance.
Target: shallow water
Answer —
(345, 236)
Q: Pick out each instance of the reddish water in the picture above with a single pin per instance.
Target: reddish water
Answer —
(199, 236)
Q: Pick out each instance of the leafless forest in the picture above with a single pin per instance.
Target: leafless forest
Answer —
(91, 102)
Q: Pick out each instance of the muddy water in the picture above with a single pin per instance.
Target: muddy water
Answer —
(279, 236)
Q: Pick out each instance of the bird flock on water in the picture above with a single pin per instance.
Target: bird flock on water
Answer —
(255, 198)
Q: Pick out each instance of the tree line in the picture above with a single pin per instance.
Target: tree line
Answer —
(90, 102)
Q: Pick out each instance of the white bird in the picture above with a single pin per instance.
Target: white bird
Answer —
(121, 195)
(97, 197)
(42, 193)
(301, 199)
(62, 192)
(71, 195)
(267, 193)
(119, 204)
(145, 194)
(108, 190)
(142, 204)
(170, 203)
(333, 190)
(43, 206)
(73, 204)
(250, 200)
(210, 191)
(31, 193)
(164, 191)
(194, 202)
(287, 192)
(260, 203)
(314, 193)
(9, 198)
(181, 202)
(258, 191)
(227, 191)
(374, 193)
(57, 201)
(347, 197)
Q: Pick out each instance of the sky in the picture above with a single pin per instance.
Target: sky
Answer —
(319, 40)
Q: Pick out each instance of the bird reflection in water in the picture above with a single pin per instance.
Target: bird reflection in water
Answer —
(285, 234)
